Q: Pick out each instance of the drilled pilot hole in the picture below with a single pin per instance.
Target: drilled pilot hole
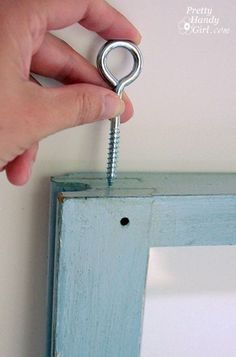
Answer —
(124, 221)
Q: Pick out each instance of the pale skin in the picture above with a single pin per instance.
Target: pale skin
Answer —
(29, 112)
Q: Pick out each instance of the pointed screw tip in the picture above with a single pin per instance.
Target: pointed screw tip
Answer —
(109, 182)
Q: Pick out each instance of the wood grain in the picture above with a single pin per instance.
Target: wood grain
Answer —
(97, 267)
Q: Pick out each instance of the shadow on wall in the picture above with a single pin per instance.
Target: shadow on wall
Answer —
(36, 296)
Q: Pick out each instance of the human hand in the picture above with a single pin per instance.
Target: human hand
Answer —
(28, 112)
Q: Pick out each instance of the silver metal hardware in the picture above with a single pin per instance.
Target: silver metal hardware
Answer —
(118, 86)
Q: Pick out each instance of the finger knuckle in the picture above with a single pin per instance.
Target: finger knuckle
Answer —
(88, 108)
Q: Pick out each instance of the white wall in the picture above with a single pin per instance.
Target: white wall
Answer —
(190, 303)
(184, 121)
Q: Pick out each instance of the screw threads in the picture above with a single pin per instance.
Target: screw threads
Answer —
(118, 86)
(113, 154)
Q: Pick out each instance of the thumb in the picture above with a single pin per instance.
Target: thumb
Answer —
(72, 105)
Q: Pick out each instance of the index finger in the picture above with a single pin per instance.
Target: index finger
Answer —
(95, 15)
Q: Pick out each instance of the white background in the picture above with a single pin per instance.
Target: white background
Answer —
(184, 121)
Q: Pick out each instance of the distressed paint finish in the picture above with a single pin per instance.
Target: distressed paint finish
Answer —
(100, 266)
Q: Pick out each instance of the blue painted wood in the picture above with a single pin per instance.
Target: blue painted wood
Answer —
(99, 266)
(193, 221)
(56, 189)
(101, 275)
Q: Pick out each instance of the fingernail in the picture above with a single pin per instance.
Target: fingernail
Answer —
(30, 169)
(138, 38)
(113, 106)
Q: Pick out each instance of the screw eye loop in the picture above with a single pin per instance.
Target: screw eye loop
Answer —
(119, 84)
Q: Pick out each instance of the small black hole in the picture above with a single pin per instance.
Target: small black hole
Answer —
(124, 221)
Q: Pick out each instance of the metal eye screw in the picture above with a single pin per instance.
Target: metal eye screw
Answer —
(118, 86)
